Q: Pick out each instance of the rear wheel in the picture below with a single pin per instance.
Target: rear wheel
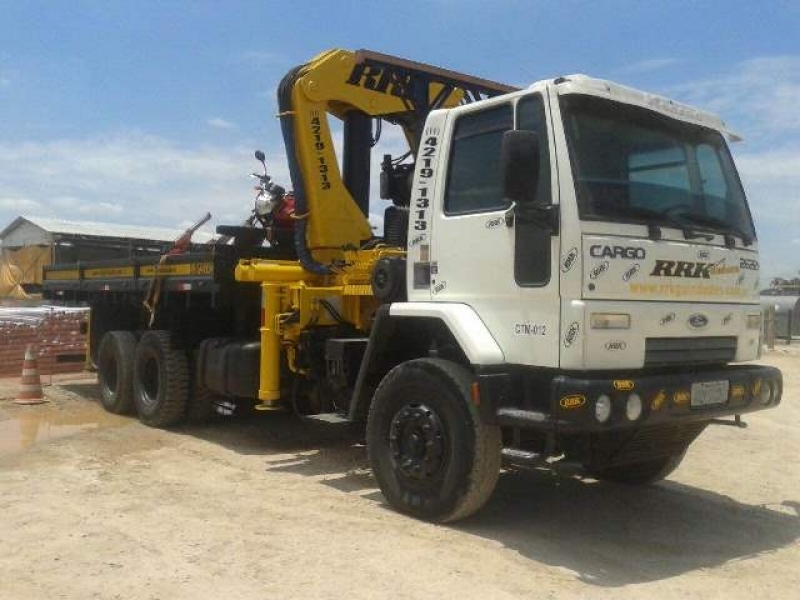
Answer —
(161, 380)
(641, 473)
(433, 457)
(115, 371)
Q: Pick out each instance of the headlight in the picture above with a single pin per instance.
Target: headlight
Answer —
(602, 408)
(633, 408)
(610, 321)
(754, 321)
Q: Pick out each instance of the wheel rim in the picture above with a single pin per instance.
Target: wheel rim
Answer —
(150, 382)
(417, 443)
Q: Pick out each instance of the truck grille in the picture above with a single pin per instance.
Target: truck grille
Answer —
(661, 352)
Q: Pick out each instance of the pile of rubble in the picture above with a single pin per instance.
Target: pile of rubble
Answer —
(55, 331)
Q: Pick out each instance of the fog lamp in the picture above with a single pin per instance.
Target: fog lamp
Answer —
(633, 408)
(765, 393)
(602, 408)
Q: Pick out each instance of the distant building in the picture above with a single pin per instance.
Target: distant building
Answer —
(30, 243)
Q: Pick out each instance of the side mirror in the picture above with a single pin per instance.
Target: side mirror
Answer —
(260, 157)
(519, 160)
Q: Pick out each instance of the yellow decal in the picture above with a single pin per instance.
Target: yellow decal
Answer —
(681, 397)
(737, 391)
(723, 270)
(624, 385)
(62, 275)
(756, 387)
(204, 268)
(658, 400)
(108, 272)
(676, 290)
(572, 401)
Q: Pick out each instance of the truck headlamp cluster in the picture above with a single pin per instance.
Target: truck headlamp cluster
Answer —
(754, 321)
(610, 321)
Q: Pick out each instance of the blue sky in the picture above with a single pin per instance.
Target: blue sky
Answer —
(148, 112)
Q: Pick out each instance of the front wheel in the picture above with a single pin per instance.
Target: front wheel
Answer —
(433, 456)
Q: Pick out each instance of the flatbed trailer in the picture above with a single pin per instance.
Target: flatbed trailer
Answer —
(199, 296)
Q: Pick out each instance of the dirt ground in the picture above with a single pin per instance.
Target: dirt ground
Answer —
(98, 506)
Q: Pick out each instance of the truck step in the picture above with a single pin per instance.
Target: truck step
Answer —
(567, 467)
(331, 418)
(527, 458)
(513, 417)
(518, 456)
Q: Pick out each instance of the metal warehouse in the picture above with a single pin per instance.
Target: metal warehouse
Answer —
(30, 243)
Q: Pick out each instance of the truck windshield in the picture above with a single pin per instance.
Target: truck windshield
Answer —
(634, 165)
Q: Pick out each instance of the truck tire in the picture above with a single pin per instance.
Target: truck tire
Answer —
(160, 380)
(641, 473)
(115, 371)
(433, 456)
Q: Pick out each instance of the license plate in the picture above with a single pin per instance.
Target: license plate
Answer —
(709, 393)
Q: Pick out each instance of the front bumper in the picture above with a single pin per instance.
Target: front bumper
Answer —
(665, 398)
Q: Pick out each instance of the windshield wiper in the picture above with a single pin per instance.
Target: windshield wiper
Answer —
(722, 226)
(655, 218)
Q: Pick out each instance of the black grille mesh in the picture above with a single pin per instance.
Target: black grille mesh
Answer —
(647, 443)
(661, 352)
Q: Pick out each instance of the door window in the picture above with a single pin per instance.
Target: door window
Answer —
(473, 183)
(715, 188)
(530, 116)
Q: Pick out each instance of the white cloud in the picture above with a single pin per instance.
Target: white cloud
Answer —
(268, 92)
(759, 95)
(772, 181)
(7, 74)
(647, 66)
(259, 57)
(770, 167)
(72, 205)
(220, 123)
(130, 178)
(18, 205)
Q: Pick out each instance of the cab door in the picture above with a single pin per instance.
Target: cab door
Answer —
(481, 254)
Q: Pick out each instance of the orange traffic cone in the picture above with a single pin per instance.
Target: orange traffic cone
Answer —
(30, 389)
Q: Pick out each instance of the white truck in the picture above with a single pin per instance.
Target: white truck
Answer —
(566, 277)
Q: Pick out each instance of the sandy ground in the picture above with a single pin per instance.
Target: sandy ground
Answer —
(97, 506)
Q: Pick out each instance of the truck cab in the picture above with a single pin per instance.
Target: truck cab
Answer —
(591, 250)
(643, 253)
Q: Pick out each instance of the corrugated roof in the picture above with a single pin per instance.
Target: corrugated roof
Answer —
(115, 230)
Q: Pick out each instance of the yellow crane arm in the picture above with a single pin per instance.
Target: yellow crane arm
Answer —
(343, 83)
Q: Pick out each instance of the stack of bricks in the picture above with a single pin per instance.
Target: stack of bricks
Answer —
(54, 331)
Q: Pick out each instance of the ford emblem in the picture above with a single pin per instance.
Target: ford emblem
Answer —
(698, 321)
